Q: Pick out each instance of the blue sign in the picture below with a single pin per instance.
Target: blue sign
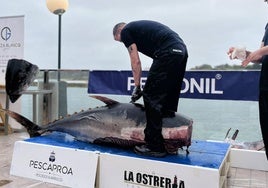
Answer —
(220, 85)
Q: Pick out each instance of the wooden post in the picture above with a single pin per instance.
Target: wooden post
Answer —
(6, 127)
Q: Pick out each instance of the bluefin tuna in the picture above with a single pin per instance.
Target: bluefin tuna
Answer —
(114, 124)
(19, 76)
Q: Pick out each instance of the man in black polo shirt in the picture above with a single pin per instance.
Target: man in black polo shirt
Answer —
(162, 89)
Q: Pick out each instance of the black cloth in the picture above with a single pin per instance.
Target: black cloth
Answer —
(263, 115)
(263, 95)
(161, 95)
(264, 61)
(162, 89)
(152, 38)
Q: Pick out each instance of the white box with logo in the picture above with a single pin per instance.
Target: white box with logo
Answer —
(207, 166)
(54, 164)
(55, 158)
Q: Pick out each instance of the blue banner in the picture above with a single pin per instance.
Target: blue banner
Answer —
(220, 85)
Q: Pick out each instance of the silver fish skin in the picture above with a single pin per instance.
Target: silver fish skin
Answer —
(116, 124)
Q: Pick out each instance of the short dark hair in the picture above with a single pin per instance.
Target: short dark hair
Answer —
(117, 26)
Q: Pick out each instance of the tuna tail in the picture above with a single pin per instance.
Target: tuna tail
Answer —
(19, 76)
(31, 127)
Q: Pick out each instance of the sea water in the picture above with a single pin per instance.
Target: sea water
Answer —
(212, 118)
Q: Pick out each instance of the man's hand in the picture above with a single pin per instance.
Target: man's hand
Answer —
(136, 94)
(253, 57)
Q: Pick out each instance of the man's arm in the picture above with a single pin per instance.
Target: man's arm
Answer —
(255, 56)
(135, 63)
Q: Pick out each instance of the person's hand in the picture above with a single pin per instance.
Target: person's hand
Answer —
(136, 94)
(245, 63)
(252, 57)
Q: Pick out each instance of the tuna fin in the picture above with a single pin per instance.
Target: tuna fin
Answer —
(32, 128)
(227, 134)
(235, 134)
(106, 100)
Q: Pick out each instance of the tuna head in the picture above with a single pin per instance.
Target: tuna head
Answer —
(19, 76)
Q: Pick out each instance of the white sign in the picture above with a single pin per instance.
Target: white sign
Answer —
(11, 42)
(58, 165)
(129, 172)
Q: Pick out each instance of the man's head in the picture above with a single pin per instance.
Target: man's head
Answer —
(117, 31)
(265, 1)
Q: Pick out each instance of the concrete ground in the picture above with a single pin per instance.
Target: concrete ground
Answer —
(8, 181)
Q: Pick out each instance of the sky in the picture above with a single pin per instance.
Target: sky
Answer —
(208, 27)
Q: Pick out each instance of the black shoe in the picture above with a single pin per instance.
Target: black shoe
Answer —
(144, 150)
